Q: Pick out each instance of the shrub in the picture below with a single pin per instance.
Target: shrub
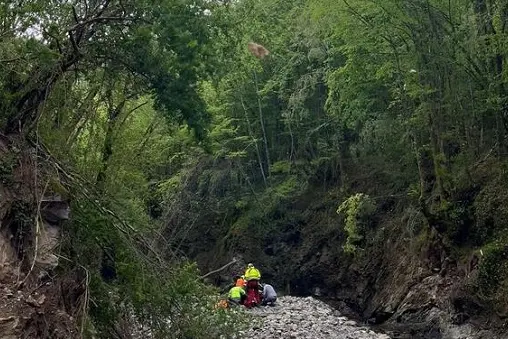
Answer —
(357, 209)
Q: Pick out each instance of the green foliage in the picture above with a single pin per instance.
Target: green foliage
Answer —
(493, 274)
(493, 269)
(399, 100)
(113, 117)
(256, 219)
(281, 167)
(357, 209)
(148, 42)
(7, 165)
(169, 299)
(490, 211)
(184, 136)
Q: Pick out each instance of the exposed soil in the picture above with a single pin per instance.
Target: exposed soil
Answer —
(36, 312)
(36, 300)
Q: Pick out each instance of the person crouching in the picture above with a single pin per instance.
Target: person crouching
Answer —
(269, 295)
(236, 295)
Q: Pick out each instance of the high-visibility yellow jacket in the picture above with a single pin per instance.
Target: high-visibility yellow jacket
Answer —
(252, 273)
(236, 293)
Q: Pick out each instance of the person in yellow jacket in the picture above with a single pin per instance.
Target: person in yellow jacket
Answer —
(236, 295)
(252, 273)
(252, 276)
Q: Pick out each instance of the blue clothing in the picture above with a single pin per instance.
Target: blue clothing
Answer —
(269, 293)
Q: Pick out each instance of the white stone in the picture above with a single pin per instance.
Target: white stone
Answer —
(299, 318)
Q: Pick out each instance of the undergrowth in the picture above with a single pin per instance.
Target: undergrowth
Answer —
(128, 283)
(357, 209)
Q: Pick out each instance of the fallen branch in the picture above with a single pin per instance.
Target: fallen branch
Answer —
(38, 224)
(87, 191)
(218, 270)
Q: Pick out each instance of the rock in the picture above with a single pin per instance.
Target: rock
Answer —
(9, 318)
(55, 209)
(31, 301)
(41, 299)
(8, 325)
(298, 318)
(48, 242)
(8, 293)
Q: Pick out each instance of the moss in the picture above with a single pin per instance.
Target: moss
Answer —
(492, 279)
(357, 210)
(56, 187)
(7, 165)
(493, 271)
(280, 167)
(491, 211)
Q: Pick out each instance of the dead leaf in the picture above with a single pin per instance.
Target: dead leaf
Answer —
(257, 50)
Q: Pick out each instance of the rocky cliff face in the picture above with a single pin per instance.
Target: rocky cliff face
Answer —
(34, 301)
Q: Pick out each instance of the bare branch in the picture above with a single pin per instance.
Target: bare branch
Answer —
(124, 11)
(75, 14)
(73, 42)
(11, 60)
(218, 270)
(57, 41)
(98, 19)
(137, 107)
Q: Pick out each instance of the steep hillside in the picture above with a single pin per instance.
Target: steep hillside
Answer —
(402, 271)
(92, 96)
(35, 302)
(355, 150)
(394, 115)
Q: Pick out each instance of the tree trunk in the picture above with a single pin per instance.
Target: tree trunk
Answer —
(262, 122)
(107, 151)
(249, 129)
(25, 111)
(495, 66)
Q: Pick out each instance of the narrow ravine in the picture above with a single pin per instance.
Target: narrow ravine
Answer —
(305, 318)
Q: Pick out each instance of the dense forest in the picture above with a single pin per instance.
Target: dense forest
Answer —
(363, 154)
